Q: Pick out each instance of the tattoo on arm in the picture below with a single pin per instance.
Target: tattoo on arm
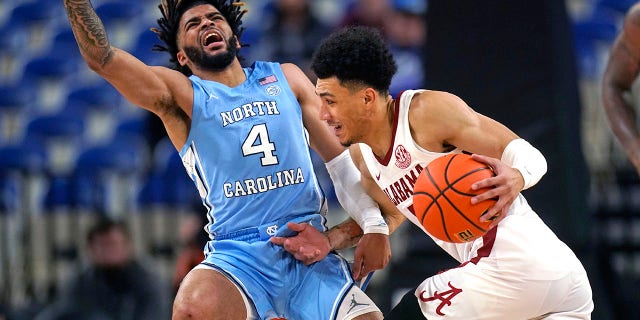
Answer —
(89, 31)
(344, 235)
(347, 234)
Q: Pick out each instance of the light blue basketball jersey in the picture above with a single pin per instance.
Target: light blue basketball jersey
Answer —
(248, 153)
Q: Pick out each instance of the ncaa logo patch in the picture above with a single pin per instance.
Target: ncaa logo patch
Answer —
(272, 90)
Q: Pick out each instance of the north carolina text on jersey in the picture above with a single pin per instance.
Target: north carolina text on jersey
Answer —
(278, 179)
(248, 110)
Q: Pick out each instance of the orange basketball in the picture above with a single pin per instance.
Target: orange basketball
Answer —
(442, 198)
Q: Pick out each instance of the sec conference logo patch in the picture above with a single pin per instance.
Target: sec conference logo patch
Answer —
(403, 157)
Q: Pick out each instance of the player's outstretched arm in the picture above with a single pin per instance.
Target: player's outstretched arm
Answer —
(621, 71)
(163, 91)
(373, 251)
(145, 86)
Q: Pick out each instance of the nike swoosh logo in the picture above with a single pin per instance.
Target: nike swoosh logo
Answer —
(378, 176)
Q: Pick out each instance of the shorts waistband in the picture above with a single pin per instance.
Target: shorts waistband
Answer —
(274, 228)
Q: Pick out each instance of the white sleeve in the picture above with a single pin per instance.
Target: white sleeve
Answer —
(521, 155)
(358, 204)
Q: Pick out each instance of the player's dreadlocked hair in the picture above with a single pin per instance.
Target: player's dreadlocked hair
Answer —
(356, 55)
(172, 11)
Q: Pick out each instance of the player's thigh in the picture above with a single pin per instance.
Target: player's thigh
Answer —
(356, 305)
(208, 294)
(469, 292)
(569, 298)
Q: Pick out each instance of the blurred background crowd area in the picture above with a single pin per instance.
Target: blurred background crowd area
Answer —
(73, 151)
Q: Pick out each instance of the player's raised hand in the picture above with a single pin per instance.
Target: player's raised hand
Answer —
(308, 246)
(373, 252)
(506, 185)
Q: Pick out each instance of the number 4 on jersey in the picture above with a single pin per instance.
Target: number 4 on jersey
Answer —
(258, 142)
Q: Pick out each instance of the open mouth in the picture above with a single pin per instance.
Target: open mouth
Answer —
(211, 38)
(337, 129)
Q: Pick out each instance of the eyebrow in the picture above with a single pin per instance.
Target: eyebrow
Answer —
(193, 19)
(324, 94)
(209, 15)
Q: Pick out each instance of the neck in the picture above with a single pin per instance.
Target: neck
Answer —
(231, 76)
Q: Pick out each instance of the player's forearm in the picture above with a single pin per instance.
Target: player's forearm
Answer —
(348, 233)
(350, 193)
(344, 235)
(89, 32)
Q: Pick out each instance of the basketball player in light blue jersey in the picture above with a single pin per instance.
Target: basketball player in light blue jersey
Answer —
(244, 136)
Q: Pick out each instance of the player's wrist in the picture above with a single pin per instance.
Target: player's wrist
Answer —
(529, 161)
(521, 171)
(330, 241)
(374, 223)
(352, 196)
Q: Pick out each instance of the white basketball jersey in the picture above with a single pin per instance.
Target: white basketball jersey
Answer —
(520, 236)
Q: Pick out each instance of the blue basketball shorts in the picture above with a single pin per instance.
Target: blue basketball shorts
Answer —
(275, 282)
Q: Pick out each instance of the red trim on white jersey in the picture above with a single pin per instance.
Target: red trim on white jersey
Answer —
(387, 156)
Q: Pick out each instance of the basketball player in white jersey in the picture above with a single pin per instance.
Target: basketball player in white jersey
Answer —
(519, 269)
(243, 134)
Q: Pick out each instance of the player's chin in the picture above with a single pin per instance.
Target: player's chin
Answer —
(346, 142)
(215, 51)
(343, 137)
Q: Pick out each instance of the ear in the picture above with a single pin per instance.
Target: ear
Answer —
(369, 96)
(182, 58)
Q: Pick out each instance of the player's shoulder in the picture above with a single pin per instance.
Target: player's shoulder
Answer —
(633, 15)
(634, 10)
(291, 71)
(288, 67)
(170, 74)
(431, 100)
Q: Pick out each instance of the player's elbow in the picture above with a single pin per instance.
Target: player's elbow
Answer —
(99, 61)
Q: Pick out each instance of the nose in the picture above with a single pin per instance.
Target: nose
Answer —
(206, 22)
(324, 112)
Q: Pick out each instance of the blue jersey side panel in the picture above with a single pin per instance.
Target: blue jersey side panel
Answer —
(247, 151)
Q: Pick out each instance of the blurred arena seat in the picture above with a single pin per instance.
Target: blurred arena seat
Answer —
(143, 49)
(14, 112)
(592, 38)
(110, 174)
(121, 19)
(61, 136)
(99, 105)
(64, 43)
(31, 20)
(12, 60)
(619, 5)
(49, 78)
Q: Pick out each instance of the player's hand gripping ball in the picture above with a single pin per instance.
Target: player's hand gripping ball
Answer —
(442, 198)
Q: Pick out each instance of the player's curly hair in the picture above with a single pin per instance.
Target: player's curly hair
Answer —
(356, 55)
(172, 11)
